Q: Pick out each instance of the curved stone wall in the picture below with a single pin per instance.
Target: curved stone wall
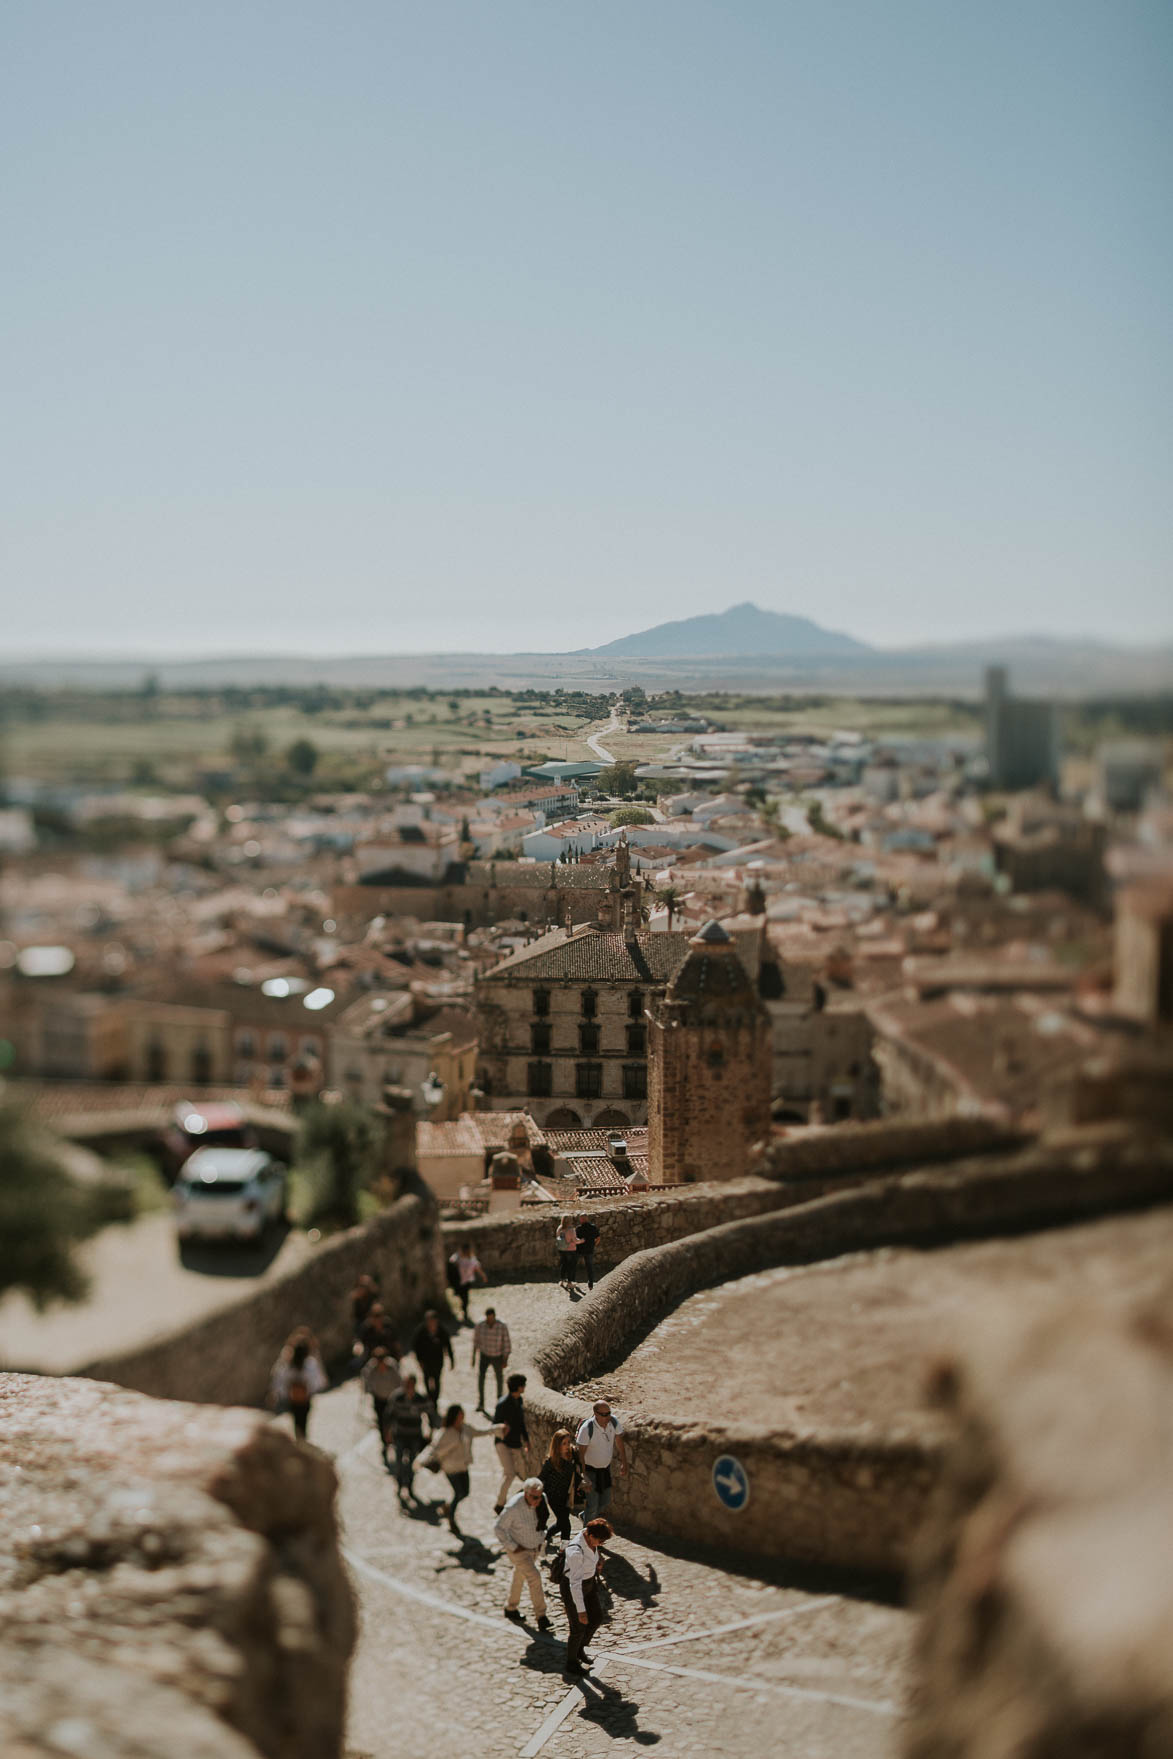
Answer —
(847, 1499)
(226, 1359)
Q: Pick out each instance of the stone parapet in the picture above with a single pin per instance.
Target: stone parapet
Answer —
(849, 1499)
(226, 1359)
(848, 1150)
(170, 1581)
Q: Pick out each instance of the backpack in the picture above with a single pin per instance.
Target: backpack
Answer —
(558, 1567)
(297, 1393)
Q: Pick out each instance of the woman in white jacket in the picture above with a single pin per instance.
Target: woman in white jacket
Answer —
(451, 1449)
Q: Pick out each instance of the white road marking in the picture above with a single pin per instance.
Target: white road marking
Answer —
(410, 1592)
(620, 1657)
(759, 1618)
(753, 1683)
(557, 1717)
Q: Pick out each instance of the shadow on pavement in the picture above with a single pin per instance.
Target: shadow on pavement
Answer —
(624, 1581)
(471, 1554)
(229, 1259)
(616, 1715)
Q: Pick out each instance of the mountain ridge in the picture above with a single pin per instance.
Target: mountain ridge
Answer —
(742, 630)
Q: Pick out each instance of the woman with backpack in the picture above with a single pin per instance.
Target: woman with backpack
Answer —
(450, 1452)
(561, 1482)
(297, 1377)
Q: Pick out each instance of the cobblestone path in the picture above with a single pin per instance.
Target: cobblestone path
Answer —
(694, 1660)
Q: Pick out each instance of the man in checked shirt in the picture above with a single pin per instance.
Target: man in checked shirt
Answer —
(490, 1341)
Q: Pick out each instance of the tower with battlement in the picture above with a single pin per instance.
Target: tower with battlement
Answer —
(709, 1067)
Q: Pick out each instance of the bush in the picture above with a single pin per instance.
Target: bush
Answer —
(632, 815)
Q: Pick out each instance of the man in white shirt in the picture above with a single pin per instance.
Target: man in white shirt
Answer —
(597, 1441)
(580, 1593)
(521, 1530)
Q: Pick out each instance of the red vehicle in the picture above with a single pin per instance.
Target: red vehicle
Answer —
(205, 1126)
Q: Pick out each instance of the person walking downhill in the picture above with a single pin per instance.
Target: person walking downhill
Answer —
(297, 1376)
(490, 1341)
(406, 1414)
(562, 1481)
(598, 1440)
(464, 1269)
(588, 1239)
(519, 1530)
(579, 1588)
(374, 1331)
(513, 1444)
(451, 1449)
(381, 1379)
(362, 1298)
(566, 1245)
(430, 1345)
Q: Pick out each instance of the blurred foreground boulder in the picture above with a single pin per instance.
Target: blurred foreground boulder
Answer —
(1045, 1576)
(170, 1581)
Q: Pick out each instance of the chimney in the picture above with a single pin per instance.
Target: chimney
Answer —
(630, 917)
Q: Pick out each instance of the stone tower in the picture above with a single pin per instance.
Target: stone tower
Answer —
(709, 1067)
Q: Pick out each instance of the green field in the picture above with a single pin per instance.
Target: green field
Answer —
(173, 739)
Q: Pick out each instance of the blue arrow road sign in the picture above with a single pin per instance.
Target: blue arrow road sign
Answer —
(731, 1482)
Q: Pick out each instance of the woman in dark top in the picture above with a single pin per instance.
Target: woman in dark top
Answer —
(560, 1480)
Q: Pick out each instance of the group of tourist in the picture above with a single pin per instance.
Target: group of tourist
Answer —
(574, 1479)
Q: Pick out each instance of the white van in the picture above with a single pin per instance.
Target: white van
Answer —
(228, 1194)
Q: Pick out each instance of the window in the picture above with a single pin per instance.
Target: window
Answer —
(541, 1003)
(588, 1040)
(539, 1038)
(245, 1045)
(588, 1080)
(201, 1065)
(635, 1081)
(635, 1005)
(311, 1047)
(540, 1080)
(637, 1041)
(590, 1004)
(156, 1061)
(277, 1051)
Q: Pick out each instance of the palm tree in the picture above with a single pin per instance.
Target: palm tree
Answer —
(671, 898)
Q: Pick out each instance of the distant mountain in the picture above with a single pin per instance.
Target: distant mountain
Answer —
(743, 630)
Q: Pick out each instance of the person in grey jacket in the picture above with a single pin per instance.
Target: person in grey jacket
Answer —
(520, 1530)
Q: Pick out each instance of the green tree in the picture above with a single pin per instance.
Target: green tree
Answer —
(338, 1152)
(44, 1215)
(632, 815)
(618, 778)
(302, 757)
(248, 743)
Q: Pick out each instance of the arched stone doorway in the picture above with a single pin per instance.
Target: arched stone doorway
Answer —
(612, 1120)
(563, 1117)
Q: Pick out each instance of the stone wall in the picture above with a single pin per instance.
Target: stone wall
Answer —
(226, 1359)
(887, 1144)
(170, 1581)
(522, 1245)
(844, 1499)
(1045, 1575)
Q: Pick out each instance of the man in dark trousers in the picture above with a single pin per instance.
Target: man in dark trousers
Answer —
(579, 1588)
(588, 1239)
(406, 1411)
(430, 1345)
(513, 1446)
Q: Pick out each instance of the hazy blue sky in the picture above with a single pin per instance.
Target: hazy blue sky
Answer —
(499, 325)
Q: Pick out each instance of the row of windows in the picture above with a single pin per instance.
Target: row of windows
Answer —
(589, 1003)
(588, 1080)
(588, 1039)
(278, 1046)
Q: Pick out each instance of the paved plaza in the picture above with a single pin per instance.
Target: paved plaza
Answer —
(694, 1660)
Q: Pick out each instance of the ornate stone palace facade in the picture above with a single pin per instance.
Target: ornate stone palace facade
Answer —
(563, 1024)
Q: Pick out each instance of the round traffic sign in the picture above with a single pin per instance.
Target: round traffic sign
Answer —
(731, 1482)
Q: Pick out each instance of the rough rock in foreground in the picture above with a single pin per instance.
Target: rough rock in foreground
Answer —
(1046, 1574)
(170, 1582)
